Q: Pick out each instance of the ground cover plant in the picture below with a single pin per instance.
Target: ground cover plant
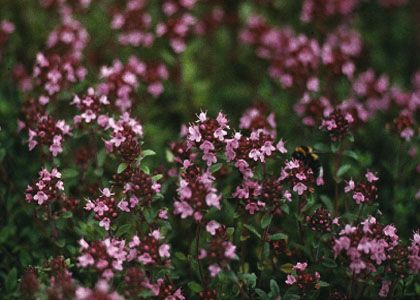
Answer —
(187, 149)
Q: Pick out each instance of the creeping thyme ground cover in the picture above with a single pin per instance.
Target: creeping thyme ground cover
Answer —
(193, 149)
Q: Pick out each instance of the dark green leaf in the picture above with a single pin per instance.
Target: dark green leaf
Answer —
(253, 230)
(278, 236)
(121, 167)
(266, 220)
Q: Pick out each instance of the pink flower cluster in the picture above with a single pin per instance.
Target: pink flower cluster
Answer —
(302, 278)
(208, 135)
(313, 109)
(414, 254)
(196, 193)
(47, 189)
(341, 47)
(366, 245)
(6, 29)
(337, 124)
(299, 177)
(151, 250)
(139, 188)
(255, 118)
(66, 5)
(101, 291)
(104, 207)
(49, 132)
(125, 136)
(364, 191)
(70, 37)
(109, 256)
(55, 72)
(90, 106)
(293, 58)
(219, 251)
(179, 23)
(319, 10)
(134, 24)
(373, 90)
(121, 81)
(106, 256)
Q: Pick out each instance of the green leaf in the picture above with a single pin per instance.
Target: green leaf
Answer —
(286, 268)
(157, 177)
(100, 158)
(327, 202)
(329, 263)
(195, 287)
(261, 294)
(123, 229)
(69, 173)
(147, 152)
(323, 284)
(291, 297)
(266, 220)
(250, 279)
(67, 215)
(278, 236)
(11, 280)
(122, 167)
(343, 170)
(2, 154)
(180, 256)
(253, 230)
(284, 207)
(321, 147)
(61, 243)
(169, 156)
(216, 167)
(145, 169)
(274, 287)
(351, 154)
(334, 147)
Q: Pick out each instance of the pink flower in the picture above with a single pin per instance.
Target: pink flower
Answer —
(123, 205)
(85, 260)
(290, 280)
(207, 146)
(300, 266)
(194, 134)
(300, 188)
(371, 177)
(386, 284)
(155, 89)
(105, 223)
(202, 254)
(230, 250)
(214, 270)
(358, 197)
(281, 146)
(164, 250)
(145, 259)
(163, 214)
(41, 197)
(267, 148)
(183, 208)
(213, 200)
(343, 243)
(209, 158)
(287, 195)
(212, 226)
(350, 186)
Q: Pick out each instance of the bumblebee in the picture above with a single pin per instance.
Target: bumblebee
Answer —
(306, 155)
